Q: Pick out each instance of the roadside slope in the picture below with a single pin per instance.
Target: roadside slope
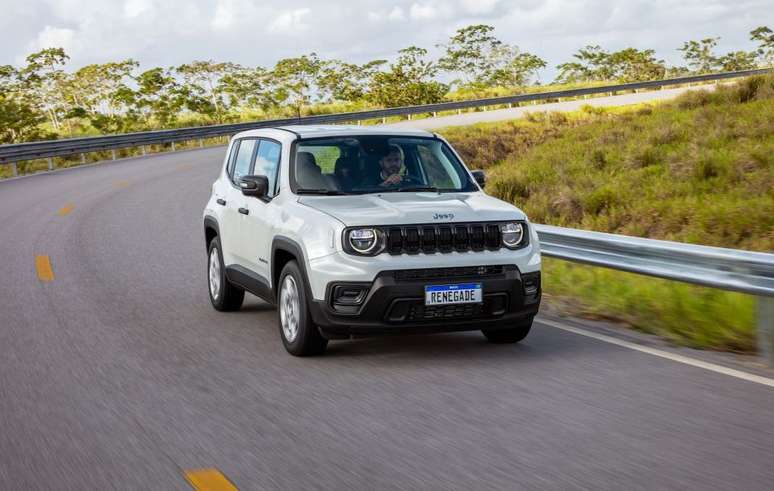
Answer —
(699, 170)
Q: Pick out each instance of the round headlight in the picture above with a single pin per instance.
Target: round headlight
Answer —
(363, 240)
(512, 234)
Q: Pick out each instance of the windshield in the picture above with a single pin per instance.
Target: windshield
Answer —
(377, 164)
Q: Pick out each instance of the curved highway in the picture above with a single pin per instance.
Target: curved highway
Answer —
(116, 373)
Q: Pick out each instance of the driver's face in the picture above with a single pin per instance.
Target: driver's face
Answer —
(391, 163)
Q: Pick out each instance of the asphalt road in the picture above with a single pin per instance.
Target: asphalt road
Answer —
(116, 373)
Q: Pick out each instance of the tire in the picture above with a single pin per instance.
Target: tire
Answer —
(508, 335)
(224, 295)
(297, 330)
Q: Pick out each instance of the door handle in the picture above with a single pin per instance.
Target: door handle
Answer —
(244, 211)
(221, 201)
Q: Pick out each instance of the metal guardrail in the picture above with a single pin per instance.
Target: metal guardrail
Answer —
(56, 148)
(726, 269)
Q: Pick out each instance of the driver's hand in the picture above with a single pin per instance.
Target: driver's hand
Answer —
(392, 180)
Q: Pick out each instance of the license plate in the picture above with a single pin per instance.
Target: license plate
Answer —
(453, 294)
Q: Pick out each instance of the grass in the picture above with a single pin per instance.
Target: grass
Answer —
(699, 169)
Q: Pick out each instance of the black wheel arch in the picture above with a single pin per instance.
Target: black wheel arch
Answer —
(211, 230)
(284, 249)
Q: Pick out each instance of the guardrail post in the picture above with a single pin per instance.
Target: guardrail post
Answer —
(435, 114)
(173, 146)
(384, 120)
(510, 105)
(459, 111)
(766, 329)
(409, 117)
(50, 163)
(113, 154)
(142, 148)
(83, 158)
(15, 169)
(201, 143)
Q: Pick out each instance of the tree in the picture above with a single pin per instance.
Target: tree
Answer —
(596, 64)
(408, 82)
(202, 87)
(100, 93)
(247, 87)
(158, 96)
(19, 120)
(483, 60)
(700, 55)
(295, 79)
(765, 50)
(349, 82)
(44, 78)
(737, 60)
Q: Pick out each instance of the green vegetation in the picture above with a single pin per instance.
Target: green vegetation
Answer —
(45, 98)
(699, 169)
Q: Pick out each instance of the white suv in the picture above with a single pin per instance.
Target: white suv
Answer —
(354, 232)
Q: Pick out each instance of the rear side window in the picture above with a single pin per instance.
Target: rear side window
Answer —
(243, 159)
(267, 162)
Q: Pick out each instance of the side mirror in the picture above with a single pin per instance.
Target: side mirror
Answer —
(257, 186)
(480, 177)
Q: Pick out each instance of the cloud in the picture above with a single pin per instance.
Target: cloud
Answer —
(134, 8)
(290, 21)
(173, 32)
(422, 12)
(52, 36)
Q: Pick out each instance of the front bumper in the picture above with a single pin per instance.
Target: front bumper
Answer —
(394, 302)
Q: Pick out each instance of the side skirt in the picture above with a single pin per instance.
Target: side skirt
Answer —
(251, 281)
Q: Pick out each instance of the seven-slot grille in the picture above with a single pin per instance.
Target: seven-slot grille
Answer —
(412, 239)
(449, 272)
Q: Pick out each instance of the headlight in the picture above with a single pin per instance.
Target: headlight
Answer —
(512, 234)
(364, 241)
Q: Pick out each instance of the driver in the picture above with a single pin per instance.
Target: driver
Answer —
(391, 165)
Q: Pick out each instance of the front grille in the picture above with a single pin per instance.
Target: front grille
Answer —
(412, 239)
(445, 273)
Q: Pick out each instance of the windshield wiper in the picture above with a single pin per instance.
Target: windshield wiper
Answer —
(325, 192)
(418, 189)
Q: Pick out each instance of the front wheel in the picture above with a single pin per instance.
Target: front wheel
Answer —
(509, 334)
(299, 334)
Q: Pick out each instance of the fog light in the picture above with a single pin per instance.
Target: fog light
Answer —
(349, 294)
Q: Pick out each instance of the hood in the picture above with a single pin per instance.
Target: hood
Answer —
(413, 208)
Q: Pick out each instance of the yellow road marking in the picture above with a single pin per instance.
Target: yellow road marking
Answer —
(121, 184)
(66, 209)
(208, 480)
(43, 266)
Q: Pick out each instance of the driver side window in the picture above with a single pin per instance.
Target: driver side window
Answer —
(243, 159)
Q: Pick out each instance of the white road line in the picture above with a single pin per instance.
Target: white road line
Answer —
(663, 354)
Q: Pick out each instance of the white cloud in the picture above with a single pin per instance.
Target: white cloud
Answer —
(422, 12)
(396, 14)
(478, 7)
(134, 8)
(173, 32)
(51, 36)
(224, 15)
(290, 21)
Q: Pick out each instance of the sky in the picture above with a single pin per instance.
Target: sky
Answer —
(172, 32)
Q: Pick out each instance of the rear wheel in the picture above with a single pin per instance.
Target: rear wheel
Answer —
(224, 295)
(509, 334)
(299, 334)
